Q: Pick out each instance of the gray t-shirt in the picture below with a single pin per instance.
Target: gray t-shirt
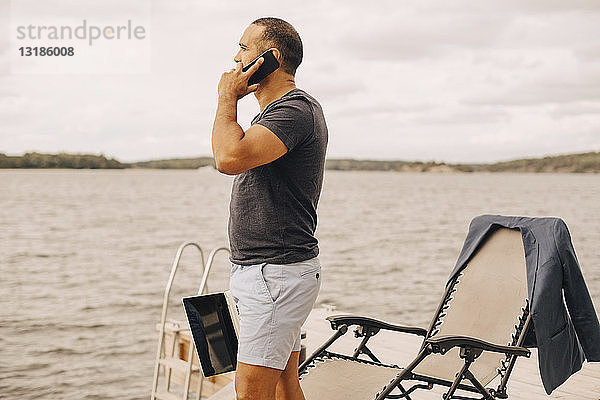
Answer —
(273, 209)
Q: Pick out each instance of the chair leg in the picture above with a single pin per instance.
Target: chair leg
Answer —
(486, 394)
(363, 349)
(466, 374)
(396, 382)
(459, 377)
(404, 392)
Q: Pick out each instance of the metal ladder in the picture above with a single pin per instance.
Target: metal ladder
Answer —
(172, 361)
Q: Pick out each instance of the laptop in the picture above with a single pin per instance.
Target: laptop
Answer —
(214, 324)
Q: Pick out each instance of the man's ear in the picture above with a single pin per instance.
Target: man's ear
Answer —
(276, 53)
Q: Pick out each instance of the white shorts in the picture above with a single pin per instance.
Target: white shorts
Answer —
(273, 301)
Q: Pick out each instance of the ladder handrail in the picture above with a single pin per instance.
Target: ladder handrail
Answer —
(203, 289)
(206, 267)
(165, 306)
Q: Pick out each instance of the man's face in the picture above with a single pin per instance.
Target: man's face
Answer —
(249, 45)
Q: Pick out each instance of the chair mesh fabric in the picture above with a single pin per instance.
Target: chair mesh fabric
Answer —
(335, 377)
(485, 302)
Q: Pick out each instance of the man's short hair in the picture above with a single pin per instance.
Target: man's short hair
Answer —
(282, 35)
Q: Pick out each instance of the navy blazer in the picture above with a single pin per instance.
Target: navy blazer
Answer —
(563, 338)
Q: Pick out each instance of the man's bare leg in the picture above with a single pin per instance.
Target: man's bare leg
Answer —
(255, 382)
(288, 385)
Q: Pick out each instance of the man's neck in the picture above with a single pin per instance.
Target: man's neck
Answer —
(273, 90)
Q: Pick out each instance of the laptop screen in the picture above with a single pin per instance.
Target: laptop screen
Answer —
(213, 331)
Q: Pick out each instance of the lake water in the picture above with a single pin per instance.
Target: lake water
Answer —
(85, 256)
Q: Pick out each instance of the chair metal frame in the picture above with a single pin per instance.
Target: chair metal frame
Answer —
(470, 349)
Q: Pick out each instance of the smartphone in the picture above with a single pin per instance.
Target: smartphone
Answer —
(269, 65)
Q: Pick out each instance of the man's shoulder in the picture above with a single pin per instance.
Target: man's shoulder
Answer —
(294, 104)
(301, 95)
(296, 96)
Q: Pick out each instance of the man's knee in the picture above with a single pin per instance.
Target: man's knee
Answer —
(288, 386)
(253, 382)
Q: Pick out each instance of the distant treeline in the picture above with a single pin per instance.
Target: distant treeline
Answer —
(61, 160)
(177, 163)
(400, 166)
(584, 162)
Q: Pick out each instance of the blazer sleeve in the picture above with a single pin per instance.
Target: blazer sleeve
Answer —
(578, 299)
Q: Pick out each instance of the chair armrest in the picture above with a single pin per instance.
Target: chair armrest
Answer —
(372, 325)
(443, 343)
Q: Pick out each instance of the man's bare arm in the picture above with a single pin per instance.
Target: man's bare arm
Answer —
(234, 150)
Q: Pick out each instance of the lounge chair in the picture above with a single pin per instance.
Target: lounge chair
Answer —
(475, 335)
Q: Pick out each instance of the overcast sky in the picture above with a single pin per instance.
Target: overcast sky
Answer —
(455, 81)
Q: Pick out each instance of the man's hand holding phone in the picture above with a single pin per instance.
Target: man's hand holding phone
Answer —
(235, 82)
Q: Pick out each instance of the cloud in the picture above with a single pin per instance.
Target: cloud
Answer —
(468, 116)
(588, 52)
(576, 109)
(404, 35)
(380, 108)
(330, 81)
(510, 7)
(75, 9)
(541, 92)
(427, 79)
(545, 6)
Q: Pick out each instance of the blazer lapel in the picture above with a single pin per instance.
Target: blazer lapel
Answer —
(531, 259)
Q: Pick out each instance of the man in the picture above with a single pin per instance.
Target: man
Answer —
(278, 163)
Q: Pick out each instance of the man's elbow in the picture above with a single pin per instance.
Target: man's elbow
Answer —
(228, 165)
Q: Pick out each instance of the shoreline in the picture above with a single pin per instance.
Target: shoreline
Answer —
(405, 171)
(568, 163)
